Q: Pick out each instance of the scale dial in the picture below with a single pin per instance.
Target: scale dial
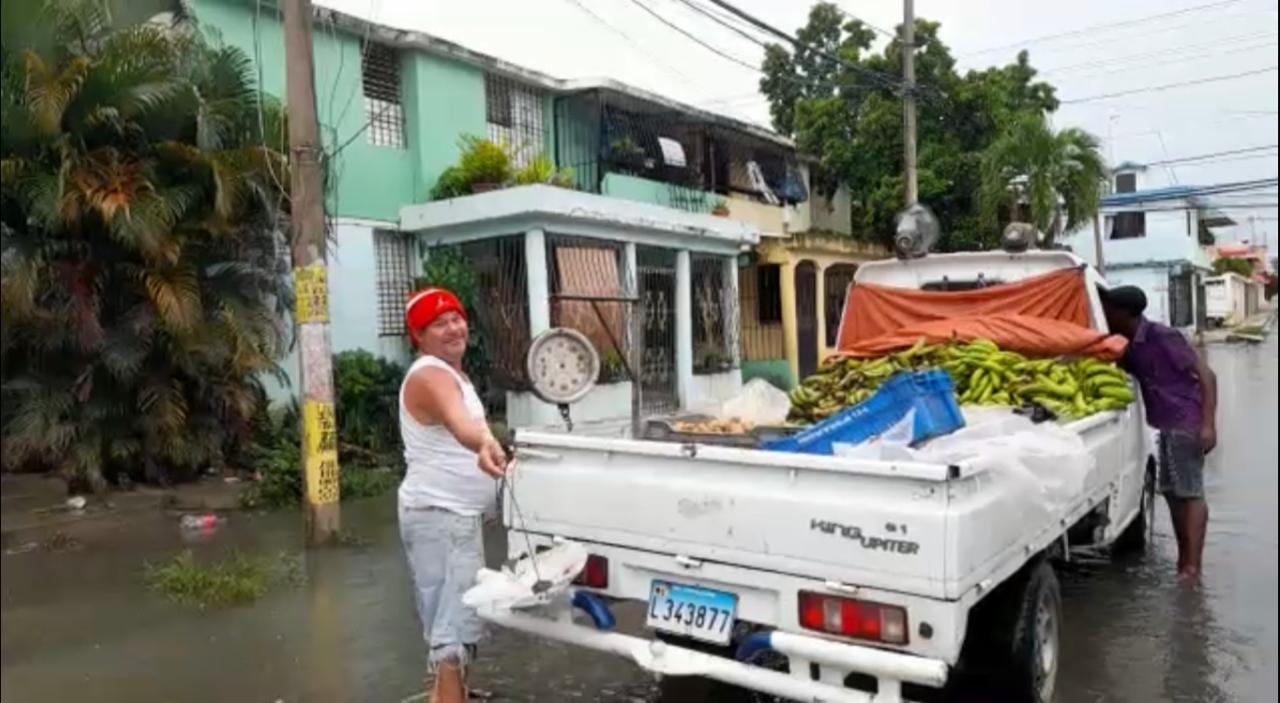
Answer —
(563, 366)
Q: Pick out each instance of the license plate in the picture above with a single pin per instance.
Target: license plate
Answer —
(699, 613)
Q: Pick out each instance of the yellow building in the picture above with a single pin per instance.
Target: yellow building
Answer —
(793, 286)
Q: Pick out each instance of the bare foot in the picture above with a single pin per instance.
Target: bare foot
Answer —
(1189, 578)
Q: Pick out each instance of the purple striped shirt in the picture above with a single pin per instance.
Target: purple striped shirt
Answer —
(1165, 365)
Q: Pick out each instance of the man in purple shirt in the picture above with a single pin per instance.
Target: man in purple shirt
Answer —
(1180, 393)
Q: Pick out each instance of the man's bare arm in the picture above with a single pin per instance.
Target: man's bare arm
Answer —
(433, 397)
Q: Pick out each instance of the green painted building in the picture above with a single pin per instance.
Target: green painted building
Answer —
(394, 105)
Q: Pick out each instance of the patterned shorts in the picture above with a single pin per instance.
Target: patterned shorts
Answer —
(1181, 463)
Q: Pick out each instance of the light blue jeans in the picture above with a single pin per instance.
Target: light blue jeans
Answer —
(445, 550)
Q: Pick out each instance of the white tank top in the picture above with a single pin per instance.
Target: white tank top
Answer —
(440, 472)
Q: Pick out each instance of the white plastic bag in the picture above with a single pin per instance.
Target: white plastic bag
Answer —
(758, 404)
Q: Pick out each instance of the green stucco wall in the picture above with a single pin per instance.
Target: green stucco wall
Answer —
(646, 191)
(442, 100)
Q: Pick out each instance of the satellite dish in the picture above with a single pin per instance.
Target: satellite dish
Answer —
(563, 367)
(917, 231)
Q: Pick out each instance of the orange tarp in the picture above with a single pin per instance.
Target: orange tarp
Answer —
(1045, 315)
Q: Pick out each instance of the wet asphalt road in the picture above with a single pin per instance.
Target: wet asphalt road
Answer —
(79, 625)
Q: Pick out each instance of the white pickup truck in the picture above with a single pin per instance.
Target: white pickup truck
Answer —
(826, 578)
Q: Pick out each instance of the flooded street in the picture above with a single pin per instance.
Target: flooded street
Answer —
(80, 625)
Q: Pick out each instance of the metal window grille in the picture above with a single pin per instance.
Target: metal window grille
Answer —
(715, 316)
(761, 340)
(836, 280)
(514, 117)
(1180, 312)
(380, 77)
(391, 252)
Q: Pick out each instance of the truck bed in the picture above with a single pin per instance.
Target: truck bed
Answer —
(932, 530)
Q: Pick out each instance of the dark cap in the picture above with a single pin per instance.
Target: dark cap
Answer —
(1130, 299)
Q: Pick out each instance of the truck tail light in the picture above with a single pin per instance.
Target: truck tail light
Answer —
(853, 618)
(595, 574)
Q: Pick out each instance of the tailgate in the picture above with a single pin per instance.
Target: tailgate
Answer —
(864, 523)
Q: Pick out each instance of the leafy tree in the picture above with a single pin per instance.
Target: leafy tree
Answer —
(1033, 168)
(142, 294)
(848, 115)
(1242, 267)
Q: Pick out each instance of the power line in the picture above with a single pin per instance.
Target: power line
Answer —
(630, 40)
(1112, 60)
(696, 40)
(1169, 86)
(722, 21)
(850, 15)
(1176, 58)
(797, 44)
(1107, 26)
(1211, 155)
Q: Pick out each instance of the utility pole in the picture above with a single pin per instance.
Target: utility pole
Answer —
(310, 280)
(909, 100)
(1097, 244)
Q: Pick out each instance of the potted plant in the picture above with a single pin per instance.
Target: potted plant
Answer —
(721, 208)
(541, 171)
(485, 164)
(627, 155)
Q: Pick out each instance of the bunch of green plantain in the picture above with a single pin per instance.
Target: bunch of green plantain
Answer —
(983, 374)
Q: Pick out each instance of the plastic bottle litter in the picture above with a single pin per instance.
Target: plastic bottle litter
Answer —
(199, 522)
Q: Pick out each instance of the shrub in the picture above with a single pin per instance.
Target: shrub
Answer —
(141, 289)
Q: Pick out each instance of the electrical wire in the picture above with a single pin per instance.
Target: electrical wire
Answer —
(1214, 154)
(1170, 86)
(696, 40)
(883, 79)
(1113, 60)
(1107, 26)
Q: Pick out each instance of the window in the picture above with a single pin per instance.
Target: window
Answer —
(1126, 182)
(837, 279)
(1127, 225)
(391, 251)
(380, 78)
(769, 290)
(1180, 312)
(514, 116)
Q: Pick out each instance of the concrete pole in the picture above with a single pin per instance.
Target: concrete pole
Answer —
(535, 257)
(310, 278)
(909, 100)
(790, 340)
(1097, 244)
(733, 310)
(635, 333)
(684, 328)
(821, 305)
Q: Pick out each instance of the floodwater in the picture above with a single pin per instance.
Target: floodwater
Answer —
(80, 625)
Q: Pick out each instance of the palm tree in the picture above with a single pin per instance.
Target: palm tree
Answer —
(1040, 175)
(142, 291)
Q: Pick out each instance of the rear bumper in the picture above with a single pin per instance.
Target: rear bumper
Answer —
(835, 660)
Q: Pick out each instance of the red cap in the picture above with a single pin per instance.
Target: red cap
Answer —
(428, 304)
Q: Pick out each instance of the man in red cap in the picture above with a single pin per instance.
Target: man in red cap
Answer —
(452, 466)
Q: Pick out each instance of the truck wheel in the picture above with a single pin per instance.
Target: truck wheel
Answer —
(1035, 638)
(1013, 646)
(1134, 537)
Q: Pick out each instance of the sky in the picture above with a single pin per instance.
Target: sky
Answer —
(1087, 48)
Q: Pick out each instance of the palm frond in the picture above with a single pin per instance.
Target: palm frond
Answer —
(175, 295)
(50, 90)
